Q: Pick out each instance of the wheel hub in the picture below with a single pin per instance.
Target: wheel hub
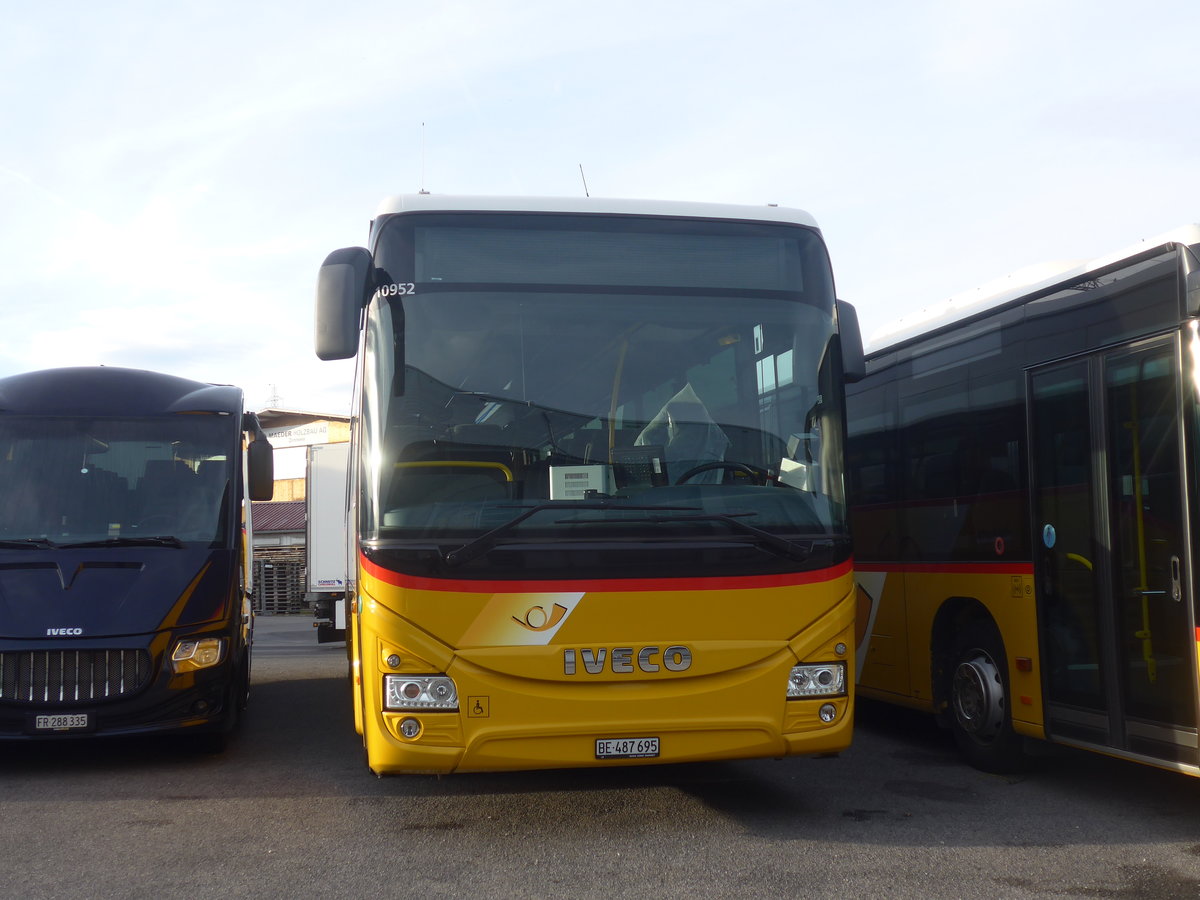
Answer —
(978, 696)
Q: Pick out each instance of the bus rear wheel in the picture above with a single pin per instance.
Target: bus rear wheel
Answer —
(979, 702)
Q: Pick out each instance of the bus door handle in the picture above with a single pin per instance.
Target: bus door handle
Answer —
(1176, 580)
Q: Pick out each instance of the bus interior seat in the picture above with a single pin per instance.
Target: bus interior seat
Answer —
(105, 499)
(163, 487)
(937, 476)
(435, 481)
(211, 471)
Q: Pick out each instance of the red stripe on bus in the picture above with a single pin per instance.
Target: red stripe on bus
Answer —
(590, 586)
(972, 568)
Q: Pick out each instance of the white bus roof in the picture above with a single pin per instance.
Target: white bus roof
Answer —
(447, 203)
(1025, 281)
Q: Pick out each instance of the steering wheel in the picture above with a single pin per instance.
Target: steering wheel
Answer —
(755, 477)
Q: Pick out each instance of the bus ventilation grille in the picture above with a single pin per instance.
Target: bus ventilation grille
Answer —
(61, 677)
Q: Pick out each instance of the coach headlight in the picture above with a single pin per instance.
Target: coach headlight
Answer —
(820, 680)
(191, 654)
(412, 692)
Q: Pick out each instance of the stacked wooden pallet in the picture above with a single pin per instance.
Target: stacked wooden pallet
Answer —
(279, 581)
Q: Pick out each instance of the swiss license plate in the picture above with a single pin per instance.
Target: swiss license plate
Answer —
(63, 722)
(626, 748)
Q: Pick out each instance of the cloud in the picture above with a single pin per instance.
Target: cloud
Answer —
(177, 176)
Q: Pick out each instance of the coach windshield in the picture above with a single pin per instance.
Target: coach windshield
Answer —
(69, 481)
(603, 381)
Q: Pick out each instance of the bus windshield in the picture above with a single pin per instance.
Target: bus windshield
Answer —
(663, 378)
(69, 481)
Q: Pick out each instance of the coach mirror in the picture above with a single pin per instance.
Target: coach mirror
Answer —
(1191, 272)
(343, 289)
(854, 366)
(260, 468)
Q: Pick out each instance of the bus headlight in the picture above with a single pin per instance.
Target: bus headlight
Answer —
(191, 654)
(408, 692)
(820, 680)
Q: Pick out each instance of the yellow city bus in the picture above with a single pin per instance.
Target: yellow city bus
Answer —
(1022, 466)
(597, 492)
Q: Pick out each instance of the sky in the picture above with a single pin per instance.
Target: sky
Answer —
(173, 175)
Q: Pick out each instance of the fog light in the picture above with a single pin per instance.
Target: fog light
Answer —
(827, 712)
(839, 648)
(410, 728)
(393, 661)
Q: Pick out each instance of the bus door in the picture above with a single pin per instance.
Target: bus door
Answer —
(1115, 615)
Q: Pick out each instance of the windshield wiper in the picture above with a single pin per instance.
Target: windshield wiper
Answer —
(157, 540)
(23, 543)
(485, 542)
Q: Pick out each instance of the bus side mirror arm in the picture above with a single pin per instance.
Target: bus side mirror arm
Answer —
(854, 365)
(344, 287)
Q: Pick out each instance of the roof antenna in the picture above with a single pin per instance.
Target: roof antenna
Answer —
(584, 177)
(423, 191)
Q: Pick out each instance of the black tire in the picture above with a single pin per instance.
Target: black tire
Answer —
(242, 688)
(211, 743)
(217, 741)
(980, 707)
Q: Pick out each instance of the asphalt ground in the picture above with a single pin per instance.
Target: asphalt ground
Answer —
(289, 810)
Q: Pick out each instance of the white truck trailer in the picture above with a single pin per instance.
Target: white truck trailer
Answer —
(326, 538)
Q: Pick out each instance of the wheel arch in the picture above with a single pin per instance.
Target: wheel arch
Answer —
(953, 616)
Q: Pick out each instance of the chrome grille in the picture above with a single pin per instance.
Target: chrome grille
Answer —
(59, 677)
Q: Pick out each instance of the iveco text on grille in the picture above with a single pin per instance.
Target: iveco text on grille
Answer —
(621, 659)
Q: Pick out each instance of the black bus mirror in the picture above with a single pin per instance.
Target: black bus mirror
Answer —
(1191, 273)
(343, 290)
(260, 468)
(854, 364)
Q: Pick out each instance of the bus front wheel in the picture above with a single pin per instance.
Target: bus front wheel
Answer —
(979, 702)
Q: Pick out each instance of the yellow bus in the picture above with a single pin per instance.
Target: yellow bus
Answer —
(1023, 465)
(596, 493)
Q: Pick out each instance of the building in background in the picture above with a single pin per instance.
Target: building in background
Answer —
(279, 551)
